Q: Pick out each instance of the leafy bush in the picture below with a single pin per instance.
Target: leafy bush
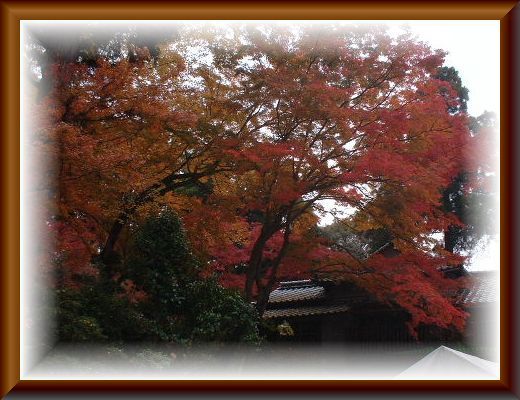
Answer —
(215, 314)
(178, 306)
(93, 313)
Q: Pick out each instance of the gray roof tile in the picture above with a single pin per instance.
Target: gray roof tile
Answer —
(484, 289)
(310, 292)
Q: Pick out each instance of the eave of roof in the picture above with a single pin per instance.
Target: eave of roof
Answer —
(304, 311)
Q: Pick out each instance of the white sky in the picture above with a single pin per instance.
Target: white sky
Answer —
(474, 50)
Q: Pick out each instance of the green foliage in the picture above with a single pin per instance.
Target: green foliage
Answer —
(160, 254)
(216, 314)
(451, 75)
(93, 313)
(487, 119)
(474, 208)
(161, 264)
(178, 305)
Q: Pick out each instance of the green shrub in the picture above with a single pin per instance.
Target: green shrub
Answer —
(179, 306)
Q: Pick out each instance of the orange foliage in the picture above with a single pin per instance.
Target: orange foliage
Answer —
(273, 122)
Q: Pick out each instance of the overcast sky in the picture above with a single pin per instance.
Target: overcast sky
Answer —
(474, 50)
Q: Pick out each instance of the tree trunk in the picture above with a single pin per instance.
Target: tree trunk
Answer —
(451, 237)
(269, 228)
(254, 264)
(263, 295)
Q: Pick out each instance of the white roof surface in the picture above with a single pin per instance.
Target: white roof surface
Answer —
(448, 364)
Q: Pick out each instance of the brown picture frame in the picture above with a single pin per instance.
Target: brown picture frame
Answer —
(12, 12)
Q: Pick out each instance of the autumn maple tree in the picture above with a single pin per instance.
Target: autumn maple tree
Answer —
(245, 132)
(351, 116)
(124, 132)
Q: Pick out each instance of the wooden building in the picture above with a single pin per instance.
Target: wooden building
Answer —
(327, 312)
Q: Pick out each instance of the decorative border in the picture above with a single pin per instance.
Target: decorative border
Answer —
(11, 13)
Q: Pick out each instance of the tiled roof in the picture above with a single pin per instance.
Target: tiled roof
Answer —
(308, 292)
(484, 289)
(302, 311)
